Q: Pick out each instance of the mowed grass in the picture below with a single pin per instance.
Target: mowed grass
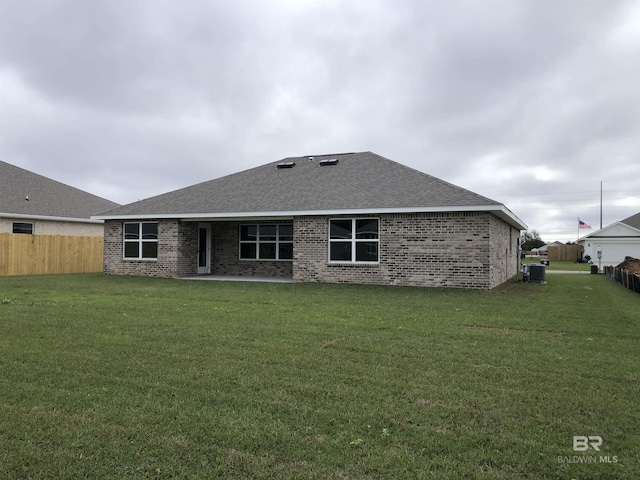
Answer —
(113, 377)
(570, 266)
(562, 265)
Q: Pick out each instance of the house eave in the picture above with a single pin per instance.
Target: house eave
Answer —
(598, 233)
(21, 216)
(498, 209)
(611, 237)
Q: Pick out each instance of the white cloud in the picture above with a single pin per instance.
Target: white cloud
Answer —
(545, 174)
(628, 202)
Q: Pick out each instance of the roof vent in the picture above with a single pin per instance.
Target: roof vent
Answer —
(286, 165)
(331, 161)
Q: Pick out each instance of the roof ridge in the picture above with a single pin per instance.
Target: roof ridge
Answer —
(326, 154)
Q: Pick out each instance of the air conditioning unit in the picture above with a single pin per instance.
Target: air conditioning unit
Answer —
(533, 273)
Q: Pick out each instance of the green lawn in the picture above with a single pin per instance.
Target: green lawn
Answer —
(112, 377)
(567, 266)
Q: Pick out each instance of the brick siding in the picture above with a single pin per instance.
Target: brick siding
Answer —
(505, 251)
(435, 250)
(177, 251)
(461, 250)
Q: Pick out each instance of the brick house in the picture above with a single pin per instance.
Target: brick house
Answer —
(33, 204)
(346, 218)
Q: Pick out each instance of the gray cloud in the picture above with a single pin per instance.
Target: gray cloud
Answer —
(531, 103)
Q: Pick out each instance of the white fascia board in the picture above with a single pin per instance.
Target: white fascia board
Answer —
(619, 240)
(51, 219)
(498, 210)
(510, 217)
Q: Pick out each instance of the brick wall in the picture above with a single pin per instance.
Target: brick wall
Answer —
(177, 251)
(186, 236)
(437, 249)
(505, 251)
(462, 250)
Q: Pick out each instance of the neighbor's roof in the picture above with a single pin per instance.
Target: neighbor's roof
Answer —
(632, 221)
(24, 194)
(552, 244)
(356, 183)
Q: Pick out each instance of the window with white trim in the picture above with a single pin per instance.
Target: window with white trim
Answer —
(267, 241)
(354, 240)
(141, 240)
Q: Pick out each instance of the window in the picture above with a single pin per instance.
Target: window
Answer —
(266, 242)
(354, 240)
(22, 227)
(141, 240)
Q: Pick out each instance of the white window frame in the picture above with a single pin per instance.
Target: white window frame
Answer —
(354, 241)
(257, 242)
(140, 241)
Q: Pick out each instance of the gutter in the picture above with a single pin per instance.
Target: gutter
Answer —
(51, 219)
(498, 210)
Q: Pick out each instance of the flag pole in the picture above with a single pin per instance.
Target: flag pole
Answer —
(600, 204)
(578, 246)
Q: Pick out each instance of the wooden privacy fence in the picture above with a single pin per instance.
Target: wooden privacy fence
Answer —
(565, 253)
(626, 278)
(48, 254)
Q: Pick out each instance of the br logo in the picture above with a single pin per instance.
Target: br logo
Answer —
(582, 443)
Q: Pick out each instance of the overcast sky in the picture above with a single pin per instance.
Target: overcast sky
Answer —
(531, 103)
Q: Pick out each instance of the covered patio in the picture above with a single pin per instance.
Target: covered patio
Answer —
(241, 278)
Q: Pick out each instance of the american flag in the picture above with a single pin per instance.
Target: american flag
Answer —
(583, 226)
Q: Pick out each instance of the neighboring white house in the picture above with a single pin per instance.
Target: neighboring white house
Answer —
(614, 242)
(544, 249)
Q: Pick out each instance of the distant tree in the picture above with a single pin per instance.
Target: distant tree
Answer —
(531, 239)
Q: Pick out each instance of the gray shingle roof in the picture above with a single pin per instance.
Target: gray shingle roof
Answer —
(633, 221)
(358, 181)
(47, 197)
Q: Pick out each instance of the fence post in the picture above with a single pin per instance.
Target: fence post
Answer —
(608, 270)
